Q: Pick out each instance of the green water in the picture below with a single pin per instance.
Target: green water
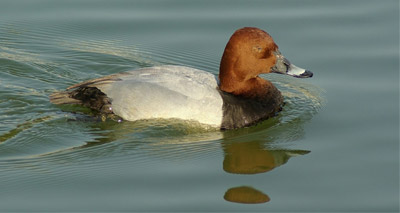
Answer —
(334, 147)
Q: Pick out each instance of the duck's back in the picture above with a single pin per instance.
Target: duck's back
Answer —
(161, 92)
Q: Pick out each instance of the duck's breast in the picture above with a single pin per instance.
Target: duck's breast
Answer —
(167, 92)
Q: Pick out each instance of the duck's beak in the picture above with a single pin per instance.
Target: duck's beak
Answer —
(283, 66)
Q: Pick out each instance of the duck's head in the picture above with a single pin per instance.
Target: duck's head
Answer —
(250, 52)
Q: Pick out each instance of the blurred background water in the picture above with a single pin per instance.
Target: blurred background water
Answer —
(334, 147)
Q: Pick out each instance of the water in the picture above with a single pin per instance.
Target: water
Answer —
(334, 147)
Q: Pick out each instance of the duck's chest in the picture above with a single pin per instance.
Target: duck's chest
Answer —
(241, 112)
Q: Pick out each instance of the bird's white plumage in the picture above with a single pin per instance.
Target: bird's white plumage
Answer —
(166, 92)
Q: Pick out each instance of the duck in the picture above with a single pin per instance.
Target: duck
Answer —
(238, 97)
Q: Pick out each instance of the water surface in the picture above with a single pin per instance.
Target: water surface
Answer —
(334, 147)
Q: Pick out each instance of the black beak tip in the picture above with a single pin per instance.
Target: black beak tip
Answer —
(307, 74)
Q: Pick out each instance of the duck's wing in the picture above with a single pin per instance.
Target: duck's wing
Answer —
(167, 92)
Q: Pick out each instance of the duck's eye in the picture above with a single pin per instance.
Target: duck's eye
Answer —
(257, 49)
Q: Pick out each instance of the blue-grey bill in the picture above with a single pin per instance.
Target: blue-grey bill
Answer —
(283, 66)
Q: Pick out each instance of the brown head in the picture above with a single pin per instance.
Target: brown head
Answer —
(250, 51)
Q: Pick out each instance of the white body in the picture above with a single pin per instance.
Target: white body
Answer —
(166, 92)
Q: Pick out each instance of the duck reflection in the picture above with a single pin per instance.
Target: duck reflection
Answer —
(252, 158)
(245, 194)
(245, 151)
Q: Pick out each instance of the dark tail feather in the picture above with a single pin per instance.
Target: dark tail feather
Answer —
(90, 97)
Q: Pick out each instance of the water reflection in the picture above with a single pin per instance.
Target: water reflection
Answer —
(246, 151)
(252, 157)
(245, 194)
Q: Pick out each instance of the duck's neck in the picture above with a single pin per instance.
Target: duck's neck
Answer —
(254, 87)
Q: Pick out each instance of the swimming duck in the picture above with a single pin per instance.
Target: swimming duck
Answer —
(237, 98)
